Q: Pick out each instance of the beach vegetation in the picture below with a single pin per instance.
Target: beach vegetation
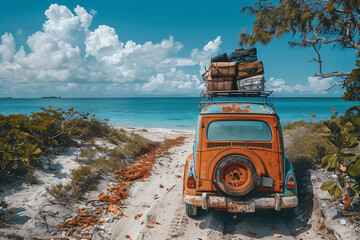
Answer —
(313, 126)
(82, 179)
(352, 84)
(307, 146)
(343, 162)
(135, 146)
(24, 139)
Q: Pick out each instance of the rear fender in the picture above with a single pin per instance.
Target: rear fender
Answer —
(189, 169)
(289, 169)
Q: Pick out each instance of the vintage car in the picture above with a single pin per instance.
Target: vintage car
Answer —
(238, 162)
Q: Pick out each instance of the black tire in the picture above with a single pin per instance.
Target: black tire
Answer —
(232, 176)
(191, 211)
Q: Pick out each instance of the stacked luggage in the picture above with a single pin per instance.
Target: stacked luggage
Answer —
(239, 71)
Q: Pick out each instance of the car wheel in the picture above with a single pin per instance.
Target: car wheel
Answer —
(235, 175)
(191, 210)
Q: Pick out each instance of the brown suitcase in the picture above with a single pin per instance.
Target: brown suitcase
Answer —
(223, 69)
(219, 83)
(249, 69)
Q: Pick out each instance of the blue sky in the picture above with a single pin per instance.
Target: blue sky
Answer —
(116, 48)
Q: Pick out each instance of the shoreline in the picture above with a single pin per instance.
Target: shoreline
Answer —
(151, 129)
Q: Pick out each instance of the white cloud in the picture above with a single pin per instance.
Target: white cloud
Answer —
(7, 47)
(66, 51)
(315, 85)
(93, 12)
(181, 62)
(173, 81)
(202, 57)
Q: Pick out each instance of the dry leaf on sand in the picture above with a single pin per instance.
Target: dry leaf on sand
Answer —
(115, 209)
(154, 222)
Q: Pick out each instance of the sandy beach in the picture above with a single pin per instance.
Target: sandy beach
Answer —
(35, 215)
(154, 208)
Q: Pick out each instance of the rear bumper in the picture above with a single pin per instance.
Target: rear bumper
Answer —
(276, 202)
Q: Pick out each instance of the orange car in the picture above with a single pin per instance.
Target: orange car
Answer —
(238, 162)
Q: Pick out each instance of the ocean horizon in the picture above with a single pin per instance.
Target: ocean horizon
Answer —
(171, 113)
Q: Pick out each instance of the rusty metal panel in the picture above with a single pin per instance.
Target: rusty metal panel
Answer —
(260, 203)
(238, 108)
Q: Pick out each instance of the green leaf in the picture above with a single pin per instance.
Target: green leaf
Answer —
(332, 190)
(357, 188)
(333, 163)
(328, 185)
(354, 170)
(347, 156)
(329, 160)
(341, 176)
(337, 192)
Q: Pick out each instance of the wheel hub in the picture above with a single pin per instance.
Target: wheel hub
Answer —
(237, 176)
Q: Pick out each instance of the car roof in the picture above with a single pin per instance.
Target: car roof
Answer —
(246, 108)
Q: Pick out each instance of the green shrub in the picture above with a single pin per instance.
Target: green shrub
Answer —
(135, 146)
(287, 125)
(313, 126)
(345, 164)
(306, 151)
(83, 179)
(109, 164)
(23, 138)
(60, 192)
(307, 146)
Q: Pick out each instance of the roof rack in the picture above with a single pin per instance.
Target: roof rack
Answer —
(236, 96)
(236, 93)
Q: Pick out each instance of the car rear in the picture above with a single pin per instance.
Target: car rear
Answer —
(238, 162)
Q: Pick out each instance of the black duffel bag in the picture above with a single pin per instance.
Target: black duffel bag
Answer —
(220, 58)
(244, 55)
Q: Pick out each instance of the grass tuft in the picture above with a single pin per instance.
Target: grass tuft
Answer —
(307, 147)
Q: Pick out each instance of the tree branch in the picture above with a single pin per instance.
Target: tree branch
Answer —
(319, 58)
(337, 84)
(333, 74)
(320, 74)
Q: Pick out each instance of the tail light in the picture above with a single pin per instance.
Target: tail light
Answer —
(290, 182)
(190, 182)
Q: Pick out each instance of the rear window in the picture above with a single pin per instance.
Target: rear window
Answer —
(239, 130)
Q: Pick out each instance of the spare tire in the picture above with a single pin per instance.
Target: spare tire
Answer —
(235, 175)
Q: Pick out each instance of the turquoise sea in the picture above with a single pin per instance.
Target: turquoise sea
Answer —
(173, 113)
